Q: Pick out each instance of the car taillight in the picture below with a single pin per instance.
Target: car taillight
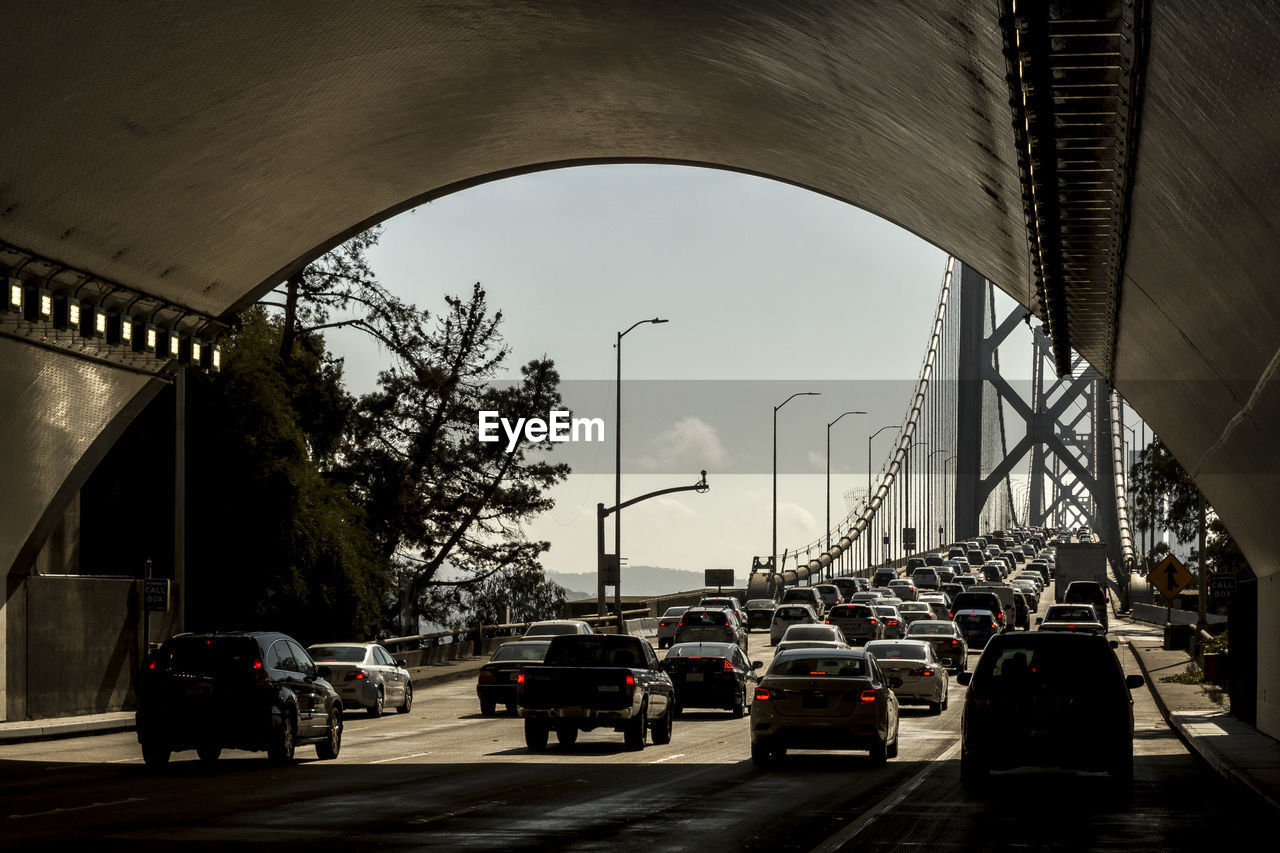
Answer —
(356, 675)
(891, 622)
(260, 673)
(728, 664)
(763, 694)
(953, 642)
(869, 696)
(663, 623)
(872, 621)
(487, 675)
(520, 678)
(151, 665)
(924, 670)
(631, 679)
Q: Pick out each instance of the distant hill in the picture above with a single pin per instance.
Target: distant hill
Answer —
(636, 580)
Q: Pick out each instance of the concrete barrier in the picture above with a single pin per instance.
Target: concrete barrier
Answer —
(1155, 615)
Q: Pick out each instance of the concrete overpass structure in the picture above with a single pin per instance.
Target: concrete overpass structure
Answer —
(1112, 168)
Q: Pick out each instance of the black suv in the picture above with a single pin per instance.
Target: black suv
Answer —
(252, 691)
(1088, 592)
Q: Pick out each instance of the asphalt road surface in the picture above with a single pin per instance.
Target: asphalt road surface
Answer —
(446, 778)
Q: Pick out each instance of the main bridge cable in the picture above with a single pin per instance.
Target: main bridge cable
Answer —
(889, 472)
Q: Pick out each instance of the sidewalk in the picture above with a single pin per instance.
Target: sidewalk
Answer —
(1242, 755)
(21, 731)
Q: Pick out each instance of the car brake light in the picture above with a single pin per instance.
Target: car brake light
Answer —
(872, 621)
(763, 694)
(260, 673)
(892, 622)
(520, 678)
(869, 696)
(924, 670)
(487, 675)
(355, 675)
(728, 664)
(631, 679)
(151, 665)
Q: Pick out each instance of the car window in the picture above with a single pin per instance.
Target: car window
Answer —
(898, 651)
(790, 613)
(675, 611)
(810, 632)
(280, 657)
(337, 654)
(820, 666)
(701, 618)
(381, 656)
(928, 628)
(521, 651)
(209, 655)
(302, 661)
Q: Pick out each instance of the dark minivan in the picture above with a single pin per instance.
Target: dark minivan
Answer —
(253, 691)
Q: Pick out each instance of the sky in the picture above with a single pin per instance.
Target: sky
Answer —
(768, 289)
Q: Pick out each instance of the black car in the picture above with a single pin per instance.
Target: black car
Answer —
(1088, 592)
(1047, 699)
(252, 691)
(496, 682)
(710, 675)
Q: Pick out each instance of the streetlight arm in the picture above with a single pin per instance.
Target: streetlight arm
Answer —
(793, 396)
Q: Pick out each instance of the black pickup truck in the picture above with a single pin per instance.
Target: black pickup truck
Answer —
(591, 681)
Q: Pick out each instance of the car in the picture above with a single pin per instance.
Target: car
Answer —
(925, 577)
(857, 622)
(993, 572)
(847, 586)
(939, 606)
(947, 639)
(496, 681)
(862, 583)
(790, 614)
(883, 575)
(978, 626)
(914, 610)
(255, 690)
(760, 613)
(804, 595)
(830, 595)
(726, 601)
(812, 637)
(710, 625)
(922, 677)
(710, 675)
(903, 588)
(894, 624)
(933, 559)
(980, 599)
(914, 563)
(1029, 591)
(1077, 618)
(555, 627)
(951, 590)
(824, 699)
(965, 580)
(1022, 610)
(945, 575)
(870, 596)
(1088, 592)
(366, 675)
(667, 624)
(1047, 699)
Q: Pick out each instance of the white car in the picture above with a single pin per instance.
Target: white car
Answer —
(365, 675)
(553, 627)
(787, 615)
(924, 678)
(811, 637)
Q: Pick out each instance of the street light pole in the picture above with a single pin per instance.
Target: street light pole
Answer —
(870, 439)
(944, 492)
(928, 464)
(617, 474)
(829, 426)
(906, 491)
(774, 552)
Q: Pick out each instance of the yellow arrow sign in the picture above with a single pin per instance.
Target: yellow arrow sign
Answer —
(1170, 577)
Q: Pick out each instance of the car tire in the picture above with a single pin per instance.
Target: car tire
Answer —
(973, 773)
(407, 705)
(328, 749)
(280, 750)
(636, 729)
(662, 729)
(892, 750)
(935, 708)
(946, 699)
(566, 735)
(156, 755)
(739, 708)
(762, 755)
(1122, 770)
(879, 753)
(488, 707)
(535, 735)
(209, 753)
(375, 710)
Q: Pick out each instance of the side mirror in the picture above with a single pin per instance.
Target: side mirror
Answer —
(1039, 620)
(756, 664)
(1134, 681)
(400, 663)
(895, 683)
(1113, 644)
(964, 678)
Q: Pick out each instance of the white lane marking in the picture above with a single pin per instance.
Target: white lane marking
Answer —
(400, 758)
(843, 837)
(78, 808)
(668, 758)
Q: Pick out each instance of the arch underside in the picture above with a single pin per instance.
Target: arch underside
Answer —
(199, 153)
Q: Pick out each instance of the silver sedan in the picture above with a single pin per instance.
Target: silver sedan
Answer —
(924, 678)
(365, 674)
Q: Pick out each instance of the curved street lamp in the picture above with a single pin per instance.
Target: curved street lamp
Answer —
(871, 438)
(829, 426)
(774, 553)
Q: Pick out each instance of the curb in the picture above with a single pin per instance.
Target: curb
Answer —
(57, 731)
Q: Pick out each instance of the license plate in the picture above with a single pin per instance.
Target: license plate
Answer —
(814, 700)
(199, 689)
(693, 676)
(607, 688)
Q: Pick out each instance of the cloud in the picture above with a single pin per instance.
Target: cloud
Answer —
(817, 460)
(689, 445)
(798, 518)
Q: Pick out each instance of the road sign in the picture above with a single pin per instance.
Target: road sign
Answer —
(610, 569)
(155, 595)
(1170, 577)
(1221, 587)
(718, 577)
(909, 538)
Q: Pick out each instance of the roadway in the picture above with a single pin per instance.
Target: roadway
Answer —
(446, 778)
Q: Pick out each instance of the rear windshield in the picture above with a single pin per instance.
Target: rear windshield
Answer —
(859, 611)
(897, 651)
(1068, 667)
(790, 613)
(700, 650)
(799, 595)
(809, 632)
(819, 666)
(887, 610)
(210, 655)
(761, 604)
(521, 651)
(336, 654)
(550, 630)
(1079, 613)
(973, 619)
(675, 611)
(593, 650)
(696, 618)
(929, 628)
